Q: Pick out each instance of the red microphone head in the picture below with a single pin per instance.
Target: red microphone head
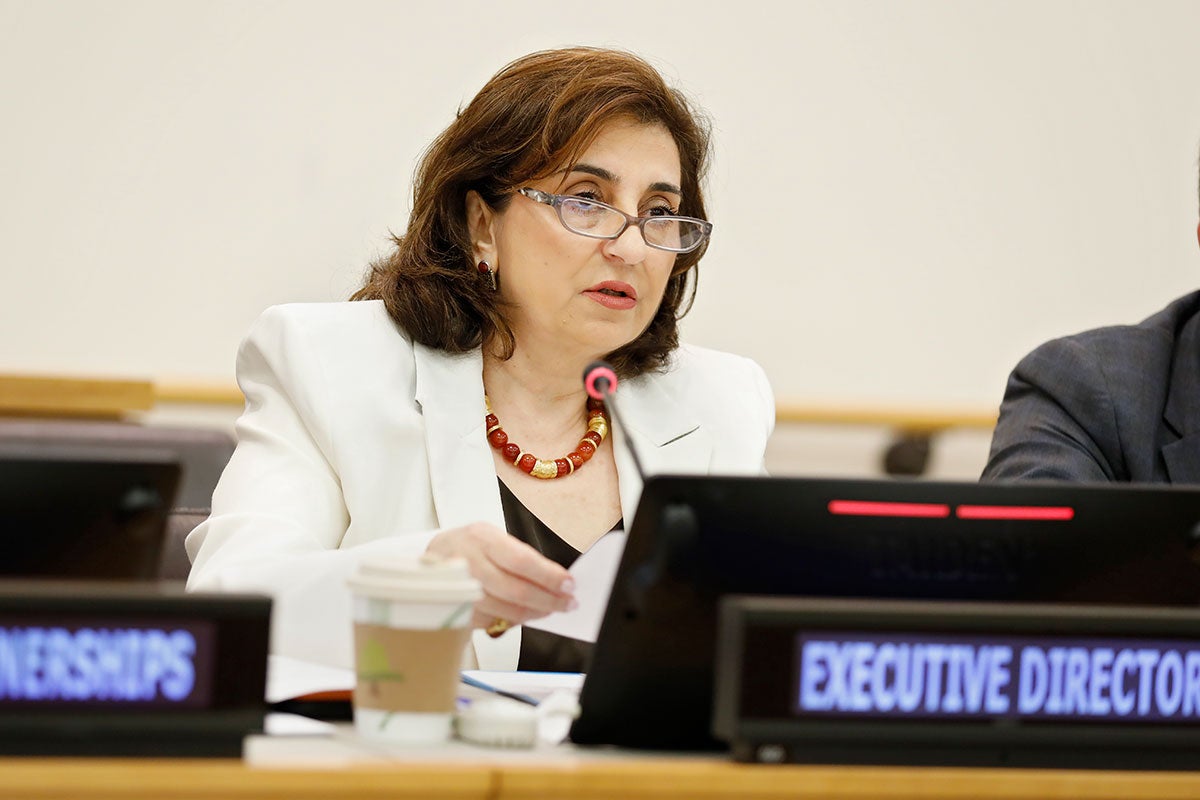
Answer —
(600, 379)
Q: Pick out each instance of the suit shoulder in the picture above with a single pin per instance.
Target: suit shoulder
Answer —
(1145, 347)
(703, 378)
(364, 314)
(693, 364)
(1117, 375)
(1149, 341)
(349, 323)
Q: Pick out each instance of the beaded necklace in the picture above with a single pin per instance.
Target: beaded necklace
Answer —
(597, 429)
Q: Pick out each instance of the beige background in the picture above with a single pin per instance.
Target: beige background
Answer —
(907, 195)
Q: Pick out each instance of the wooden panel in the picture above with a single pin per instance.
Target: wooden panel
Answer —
(197, 393)
(910, 420)
(656, 780)
(205, 779)
(566, 778)
(914, 420)
(76, 397)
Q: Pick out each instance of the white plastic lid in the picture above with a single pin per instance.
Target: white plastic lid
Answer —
(426, 579)
(499, 722)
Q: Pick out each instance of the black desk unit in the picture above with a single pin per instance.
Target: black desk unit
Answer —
(697, 539)
(958, 684)
(129, 669)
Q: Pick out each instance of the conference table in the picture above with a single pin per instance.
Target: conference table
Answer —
(339, 767)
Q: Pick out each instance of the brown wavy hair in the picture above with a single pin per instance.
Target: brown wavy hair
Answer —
(535, 117)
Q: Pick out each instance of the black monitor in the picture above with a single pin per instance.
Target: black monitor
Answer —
(695, 539)
(84, 512)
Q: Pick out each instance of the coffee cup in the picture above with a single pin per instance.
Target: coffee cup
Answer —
(411, 626)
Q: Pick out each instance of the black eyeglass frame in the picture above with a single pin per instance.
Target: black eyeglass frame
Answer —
(556, 202)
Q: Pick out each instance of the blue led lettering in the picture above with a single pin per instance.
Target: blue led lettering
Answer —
(953, 701)
(181, 667)
(129, 665)
(1168, 683)
(860, 676)
(883, 688)
(1146, 660)
(1054, 702)
(813, 675)
(910, 666)
(935, 656)
(998, 677)
(1037, 678)
(1191, 682)
(1034, 680)
(1124, 665)
(1075, 686)
(1101, 682)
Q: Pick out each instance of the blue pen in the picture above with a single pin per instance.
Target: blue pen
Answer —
(478, 684)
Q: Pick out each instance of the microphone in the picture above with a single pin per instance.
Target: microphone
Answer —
(674, 530)
(600, 381)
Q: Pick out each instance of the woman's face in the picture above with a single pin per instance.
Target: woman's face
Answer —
(581, 296)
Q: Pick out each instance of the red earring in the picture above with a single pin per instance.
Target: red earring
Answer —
(487, 269)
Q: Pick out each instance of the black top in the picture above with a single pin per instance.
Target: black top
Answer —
(542, 651)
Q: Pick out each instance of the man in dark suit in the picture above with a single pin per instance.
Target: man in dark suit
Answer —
(1113, 404)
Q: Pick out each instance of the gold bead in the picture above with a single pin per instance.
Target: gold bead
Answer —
(544, 469)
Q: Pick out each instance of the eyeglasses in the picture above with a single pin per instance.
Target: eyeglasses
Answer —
(601, 221)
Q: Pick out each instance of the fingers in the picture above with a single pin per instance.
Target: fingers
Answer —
(520, 560)
(505, 597)
(519, 584)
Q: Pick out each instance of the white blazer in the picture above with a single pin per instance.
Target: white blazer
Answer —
(357, 443)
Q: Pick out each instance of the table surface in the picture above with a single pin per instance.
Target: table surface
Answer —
(326, 767)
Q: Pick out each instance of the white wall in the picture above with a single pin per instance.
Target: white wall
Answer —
(907, 195)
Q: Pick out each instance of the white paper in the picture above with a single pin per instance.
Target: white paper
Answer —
(594, 573)
(277, 724)
(288, 678)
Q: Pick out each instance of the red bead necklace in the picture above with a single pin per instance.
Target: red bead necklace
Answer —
(597, 429)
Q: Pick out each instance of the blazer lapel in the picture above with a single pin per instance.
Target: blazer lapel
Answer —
(462, 474)
(668, 438)
(1182, 412)
(449, 389)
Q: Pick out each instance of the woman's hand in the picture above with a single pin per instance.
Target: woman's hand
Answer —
(519, 583)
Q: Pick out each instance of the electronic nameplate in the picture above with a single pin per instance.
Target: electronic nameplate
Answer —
(90, 668)
(905, 682)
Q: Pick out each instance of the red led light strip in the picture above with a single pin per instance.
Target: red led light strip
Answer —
(1056, 513)
(868, 508)
(872, 508)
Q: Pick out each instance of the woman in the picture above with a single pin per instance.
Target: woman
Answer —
(559, 219)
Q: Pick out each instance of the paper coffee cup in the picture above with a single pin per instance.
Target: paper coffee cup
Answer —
(411, 625)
